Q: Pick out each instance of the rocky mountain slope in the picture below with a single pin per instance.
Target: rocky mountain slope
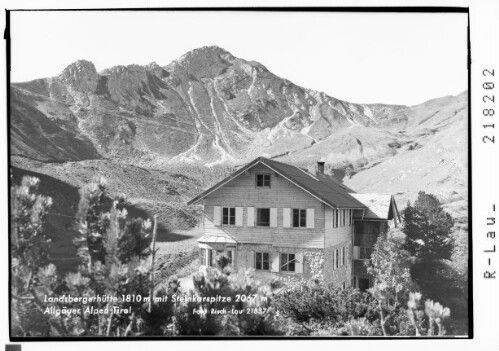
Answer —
(432, 156)
(207, 106)
(210, 108)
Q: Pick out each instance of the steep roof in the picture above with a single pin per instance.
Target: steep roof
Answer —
(322, 187)
(379, 206)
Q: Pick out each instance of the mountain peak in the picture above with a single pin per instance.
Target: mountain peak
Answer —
(79, 66)
(81, 76)
(208, 49)
(207, 61)
(206, 53)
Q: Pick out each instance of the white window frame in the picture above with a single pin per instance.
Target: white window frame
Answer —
(228, 216)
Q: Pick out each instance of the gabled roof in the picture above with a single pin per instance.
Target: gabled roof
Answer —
(322, 187)
(379, 206)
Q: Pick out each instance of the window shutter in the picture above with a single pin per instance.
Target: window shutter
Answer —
(217, 215)
(275, 262)
(286, 217)
(239, 216)
(251, 216)
(356, 252)
(310, 218)
(334, 218)
(273, 217)
(250, 259)
(298, 262)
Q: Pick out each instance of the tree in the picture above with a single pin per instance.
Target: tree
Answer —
(29, 253)
(115, 252)
(389, 269)
(428, 230)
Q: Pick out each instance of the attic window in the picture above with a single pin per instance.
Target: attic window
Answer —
(263, 180)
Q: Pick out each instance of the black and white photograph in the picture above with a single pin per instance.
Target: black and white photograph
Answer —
(241, 173)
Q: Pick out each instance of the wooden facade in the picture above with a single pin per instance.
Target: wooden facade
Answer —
(263, 220)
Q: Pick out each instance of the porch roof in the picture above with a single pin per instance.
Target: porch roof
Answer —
(216, 239)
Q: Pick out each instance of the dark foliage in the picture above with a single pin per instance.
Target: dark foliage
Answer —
(312, 301)
(428, 229)
(256, 317)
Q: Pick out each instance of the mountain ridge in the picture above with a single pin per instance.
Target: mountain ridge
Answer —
(222, 100)
(210, 108)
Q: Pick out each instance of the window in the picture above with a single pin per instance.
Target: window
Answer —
(211, 257)
(203, 257)
(263, 217)
(287, 262)
(336, 221)
(337, 259)
(212, 254)
(299, 218)
(343, 255)
(262, 261)
(230, 255)
(263, 180)
(229, 215)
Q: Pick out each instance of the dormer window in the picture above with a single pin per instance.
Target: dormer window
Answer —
(263, 180)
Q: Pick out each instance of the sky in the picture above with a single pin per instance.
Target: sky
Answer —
(393, 58)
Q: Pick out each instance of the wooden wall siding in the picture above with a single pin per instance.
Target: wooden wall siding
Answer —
(367, 232)
(342, 274)
(335, 236)
(242, 192)
(370, 227)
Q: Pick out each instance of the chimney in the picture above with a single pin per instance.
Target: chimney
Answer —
(320, 167)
